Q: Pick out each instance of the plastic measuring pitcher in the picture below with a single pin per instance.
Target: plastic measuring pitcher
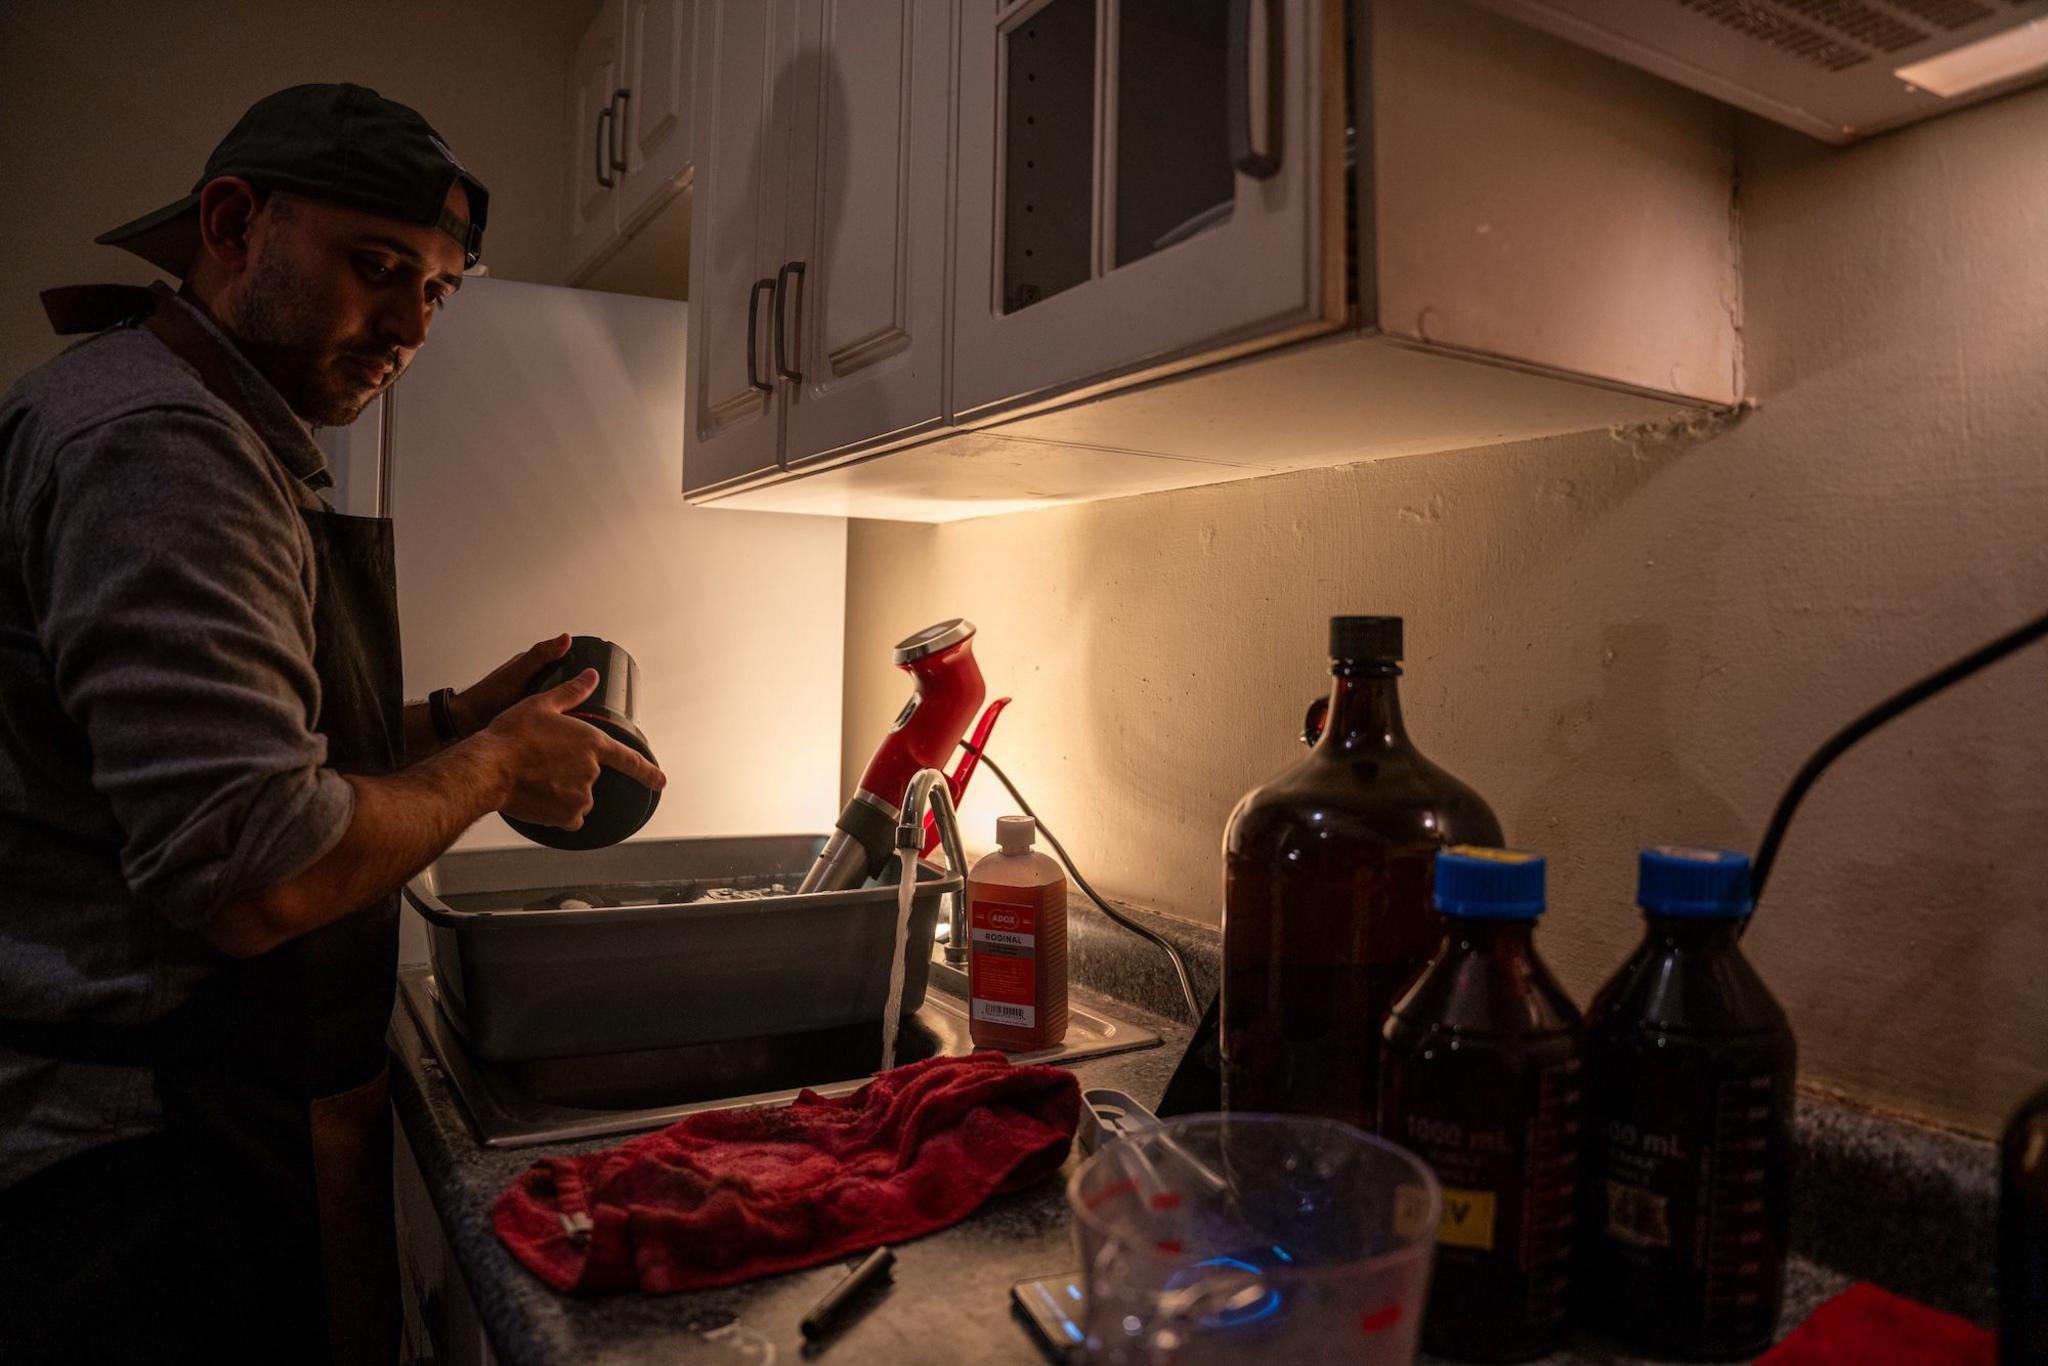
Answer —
(1241, 1238)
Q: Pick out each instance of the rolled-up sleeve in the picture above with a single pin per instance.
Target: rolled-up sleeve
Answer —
(170, 574)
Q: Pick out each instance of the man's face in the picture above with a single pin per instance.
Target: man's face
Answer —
(335, 300)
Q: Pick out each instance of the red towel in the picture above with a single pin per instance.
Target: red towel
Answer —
(1866, 1326)
(725, 1197)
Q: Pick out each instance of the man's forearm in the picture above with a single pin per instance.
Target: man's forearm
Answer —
(416, 732)
(402, 822)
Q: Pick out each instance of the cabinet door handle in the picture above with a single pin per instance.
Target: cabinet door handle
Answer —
(791, 269)
(619, 98)
(603, 115)
(1258, 163)
(764, 285)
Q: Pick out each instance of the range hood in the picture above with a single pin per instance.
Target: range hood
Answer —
(1837, 69)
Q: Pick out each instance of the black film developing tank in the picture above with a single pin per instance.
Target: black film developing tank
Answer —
(620, 805)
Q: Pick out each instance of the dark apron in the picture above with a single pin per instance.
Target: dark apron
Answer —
(273, 1076)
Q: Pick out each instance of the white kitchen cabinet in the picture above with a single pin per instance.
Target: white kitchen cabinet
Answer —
(745, 100)
(654, 113)
(1143, 182)
(863, 311)
(629, 115)
(819, 271)
(592, 139)
(1199, 242)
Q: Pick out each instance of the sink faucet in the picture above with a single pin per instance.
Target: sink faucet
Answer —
(928, 786)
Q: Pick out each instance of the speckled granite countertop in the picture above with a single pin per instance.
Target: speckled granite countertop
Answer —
(1877, 1199)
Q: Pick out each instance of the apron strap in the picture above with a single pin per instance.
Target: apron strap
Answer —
(94, 308)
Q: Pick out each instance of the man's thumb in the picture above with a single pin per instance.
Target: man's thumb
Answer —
(565, 696)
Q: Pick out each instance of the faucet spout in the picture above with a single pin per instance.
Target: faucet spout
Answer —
(928, 788)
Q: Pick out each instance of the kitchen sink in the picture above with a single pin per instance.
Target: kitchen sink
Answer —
(517, 1103)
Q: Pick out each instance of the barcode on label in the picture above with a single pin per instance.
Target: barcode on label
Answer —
(1001, 1012)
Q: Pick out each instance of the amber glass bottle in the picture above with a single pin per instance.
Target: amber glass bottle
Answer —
(1326, 887)
(1481, 1079)
(1689, 1072)
(2023, 1236)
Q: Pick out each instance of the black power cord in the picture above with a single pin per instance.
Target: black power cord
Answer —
(1187, 986)
(1905, 698)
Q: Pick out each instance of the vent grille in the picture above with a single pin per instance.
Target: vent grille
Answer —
(1755, 20)
(1853, 19)
(1949, 14)
(1837, 35)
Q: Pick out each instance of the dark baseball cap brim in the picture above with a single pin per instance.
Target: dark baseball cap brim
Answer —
(168, 239)
(339, 142)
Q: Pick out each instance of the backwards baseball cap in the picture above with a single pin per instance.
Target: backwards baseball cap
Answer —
(337, 142)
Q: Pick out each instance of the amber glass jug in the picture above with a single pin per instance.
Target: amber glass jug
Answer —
(1326, 892)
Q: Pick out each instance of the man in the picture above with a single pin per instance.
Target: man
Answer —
(210, 787)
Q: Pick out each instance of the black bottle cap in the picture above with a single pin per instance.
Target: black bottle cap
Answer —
(1365, 638)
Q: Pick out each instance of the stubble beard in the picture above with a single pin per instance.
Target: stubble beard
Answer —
(281, 326)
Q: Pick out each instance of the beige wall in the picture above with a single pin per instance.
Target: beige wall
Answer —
(1621, 645)
(108, 109)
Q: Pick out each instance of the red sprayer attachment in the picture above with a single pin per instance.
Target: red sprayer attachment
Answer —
(968, 762)
(946, 692)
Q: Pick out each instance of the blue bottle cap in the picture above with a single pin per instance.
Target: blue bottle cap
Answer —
(1710, 884)
(1489, 884)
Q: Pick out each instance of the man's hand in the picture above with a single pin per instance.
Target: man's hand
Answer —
(482, 702)
(532, 762)
(550, 759)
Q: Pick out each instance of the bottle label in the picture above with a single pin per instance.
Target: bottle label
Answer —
(1002, 961)
(1468, 1219)
(1505, 1146)
(1690, 1191)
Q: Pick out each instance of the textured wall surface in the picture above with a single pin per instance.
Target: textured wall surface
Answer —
(110, 107)
(1624, 642)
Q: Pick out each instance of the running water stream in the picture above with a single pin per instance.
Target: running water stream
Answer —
(892, 1013)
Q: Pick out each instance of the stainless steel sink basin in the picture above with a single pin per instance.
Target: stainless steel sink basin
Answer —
(657, 944)
(554, 1100)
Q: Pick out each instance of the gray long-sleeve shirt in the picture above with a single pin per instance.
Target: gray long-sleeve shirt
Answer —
(157, 695)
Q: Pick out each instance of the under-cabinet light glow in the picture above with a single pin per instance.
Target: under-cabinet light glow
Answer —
(1988, 61)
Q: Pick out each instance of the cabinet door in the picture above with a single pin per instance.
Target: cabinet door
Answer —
(1144, 185)
(869, 215)
(654, 117)
(742, 114)
(592, 139)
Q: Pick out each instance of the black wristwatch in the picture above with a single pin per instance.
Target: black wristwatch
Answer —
(442, 714)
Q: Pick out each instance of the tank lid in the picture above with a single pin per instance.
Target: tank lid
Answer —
(1710, 883)
(933, 639)
(1489, 884)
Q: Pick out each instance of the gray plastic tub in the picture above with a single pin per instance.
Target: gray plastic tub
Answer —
(523, 975)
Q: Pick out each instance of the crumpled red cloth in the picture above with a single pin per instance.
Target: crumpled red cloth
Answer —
(724, 1197)
(1866, 1326)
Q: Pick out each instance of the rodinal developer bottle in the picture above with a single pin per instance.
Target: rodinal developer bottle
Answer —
(1481, 1077)
(1689, 1071)
(1017, 944)
(1326, 882)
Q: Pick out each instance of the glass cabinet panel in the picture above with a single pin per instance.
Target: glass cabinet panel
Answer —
(1173, 174)
(1049, 141)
